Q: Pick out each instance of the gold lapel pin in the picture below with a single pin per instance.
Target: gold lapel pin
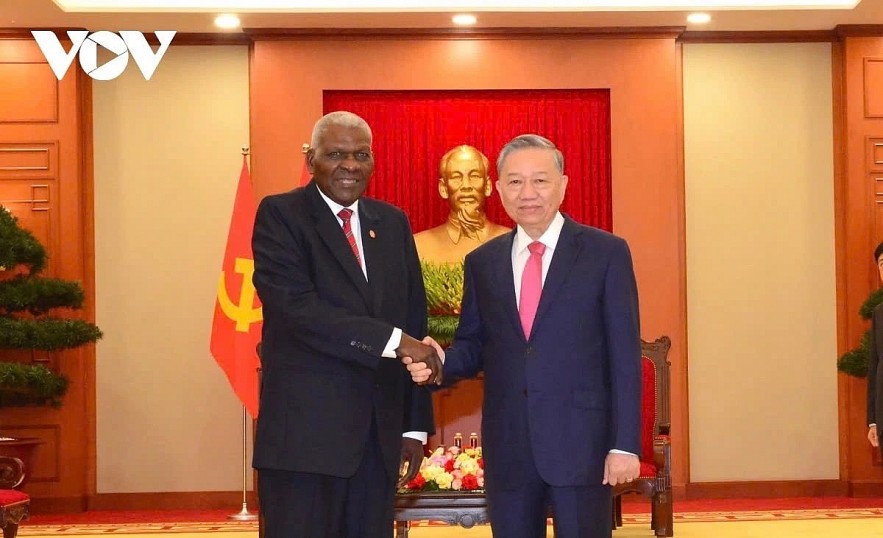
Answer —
(372, 234)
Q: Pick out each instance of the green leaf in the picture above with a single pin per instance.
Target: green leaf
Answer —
(30, 384)
(19, 246)
(47, 334)
(855, 361)
(867, 309)
(442, 328)
(39, 295)
(444, 293)
(444, 287)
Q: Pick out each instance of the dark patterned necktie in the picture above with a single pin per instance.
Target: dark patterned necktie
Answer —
(345, 215)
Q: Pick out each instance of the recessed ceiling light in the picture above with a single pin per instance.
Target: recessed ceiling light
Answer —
(227, 21)
(698, 18)
(464, 19)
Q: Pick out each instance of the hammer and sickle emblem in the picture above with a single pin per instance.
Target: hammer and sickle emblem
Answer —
(244, 313)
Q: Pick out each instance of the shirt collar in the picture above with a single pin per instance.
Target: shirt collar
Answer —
(335, 207)
(549, 237)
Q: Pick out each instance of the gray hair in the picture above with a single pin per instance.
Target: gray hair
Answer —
(530, 141)
(341, 118)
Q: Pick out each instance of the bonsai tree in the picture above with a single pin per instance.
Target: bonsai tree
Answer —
(25, 324)
(855, 361)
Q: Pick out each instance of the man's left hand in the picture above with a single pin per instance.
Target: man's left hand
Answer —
(412, 452)
(620, 468)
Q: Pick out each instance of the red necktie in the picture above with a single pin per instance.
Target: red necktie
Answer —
(345, 215)
(531, 286)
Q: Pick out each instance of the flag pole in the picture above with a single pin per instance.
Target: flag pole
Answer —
(244, 514)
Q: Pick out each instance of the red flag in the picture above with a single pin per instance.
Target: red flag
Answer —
(236, 328)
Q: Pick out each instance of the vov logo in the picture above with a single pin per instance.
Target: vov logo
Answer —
(86, 44)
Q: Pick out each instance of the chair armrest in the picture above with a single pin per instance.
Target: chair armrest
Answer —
(661, 453)
(12, 472)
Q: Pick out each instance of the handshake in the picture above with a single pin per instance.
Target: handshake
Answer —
(424, 360)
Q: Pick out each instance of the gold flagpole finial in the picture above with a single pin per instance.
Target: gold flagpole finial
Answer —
(305, 149)
(245, 150)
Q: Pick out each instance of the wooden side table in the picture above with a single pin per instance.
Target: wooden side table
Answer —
(22, 448)
(463, 509)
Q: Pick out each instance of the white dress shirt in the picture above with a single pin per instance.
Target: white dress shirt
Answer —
(521, 253)
(395, 339)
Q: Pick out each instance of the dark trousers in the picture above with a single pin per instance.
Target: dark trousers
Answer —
(307, 505)
(577, 512)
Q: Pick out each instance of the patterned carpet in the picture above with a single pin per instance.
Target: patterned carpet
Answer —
(136, 528)
(628, 519)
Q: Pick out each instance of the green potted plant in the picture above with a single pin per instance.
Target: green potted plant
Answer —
(444, 292)
(26, 324)
(855, 361)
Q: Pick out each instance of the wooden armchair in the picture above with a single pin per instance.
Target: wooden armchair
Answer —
(14, 505)
(655, 478)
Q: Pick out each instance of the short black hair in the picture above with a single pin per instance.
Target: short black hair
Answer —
(878, 252)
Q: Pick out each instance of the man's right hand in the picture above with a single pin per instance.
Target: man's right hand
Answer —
(872, 436)
(413, 351)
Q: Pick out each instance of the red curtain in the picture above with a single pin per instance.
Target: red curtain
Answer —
(413, 129)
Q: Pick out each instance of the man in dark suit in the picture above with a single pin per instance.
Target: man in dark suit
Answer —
(550, 315)
(342, 294)
(875, 373)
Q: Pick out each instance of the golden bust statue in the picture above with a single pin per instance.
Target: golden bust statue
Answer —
(465, 183)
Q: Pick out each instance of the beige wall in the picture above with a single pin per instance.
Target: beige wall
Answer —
(167, 159)
(760, 262)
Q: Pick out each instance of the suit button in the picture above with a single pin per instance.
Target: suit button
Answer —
(524, 392)
(529, 351)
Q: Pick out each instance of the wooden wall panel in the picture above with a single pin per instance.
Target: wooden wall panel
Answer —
(873, 87)
(44, 142)
(29, 94)
(858, 77)
(48, 456)
(874, 152)
(458, 410)
(36, 160)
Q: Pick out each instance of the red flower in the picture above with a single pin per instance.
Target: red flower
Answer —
(481, 462)
(449, 466)
(470, 482)
(417, 483)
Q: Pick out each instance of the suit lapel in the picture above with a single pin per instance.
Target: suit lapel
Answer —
(372, 242)
(504, 255)
(332, 235)
(563, 260)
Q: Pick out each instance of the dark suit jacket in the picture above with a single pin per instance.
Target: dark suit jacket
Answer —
(325, 328)
(875, 373)
(572, 392)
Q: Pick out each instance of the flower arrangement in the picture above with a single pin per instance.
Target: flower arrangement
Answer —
(449, 469)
